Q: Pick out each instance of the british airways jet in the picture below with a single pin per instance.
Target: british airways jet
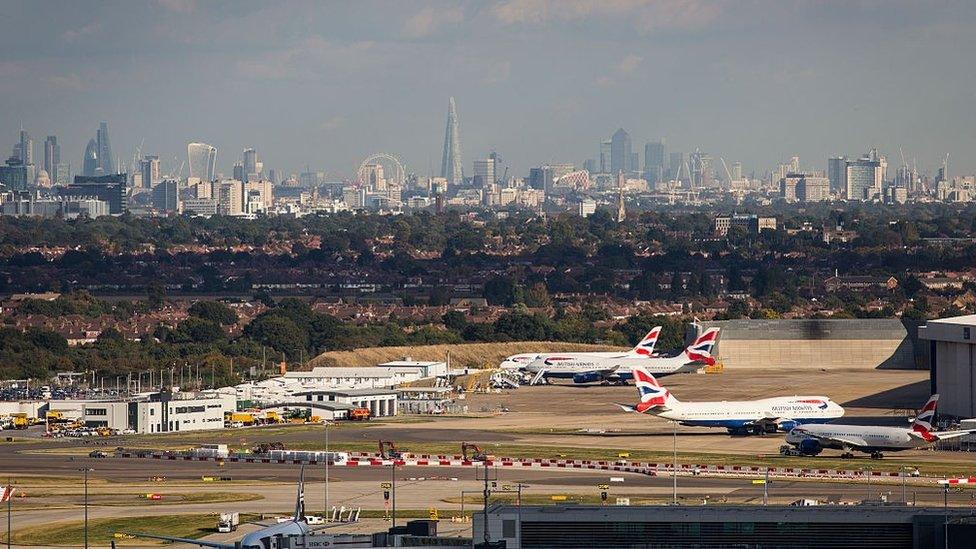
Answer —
(645, 347)
(740, 417)
(618, 368)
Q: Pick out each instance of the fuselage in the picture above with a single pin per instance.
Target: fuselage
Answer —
(258, 539)
(867, 438)
(785, 412)
(613, 366)
(522, 361)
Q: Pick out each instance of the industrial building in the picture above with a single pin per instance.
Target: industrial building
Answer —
(816, 344)
(708, 526)
(952, 351)
(379, 402)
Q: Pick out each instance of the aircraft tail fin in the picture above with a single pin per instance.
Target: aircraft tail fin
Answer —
(701, 349)
(300, 500)
(652, 396)
(922, 424)
(645, 347)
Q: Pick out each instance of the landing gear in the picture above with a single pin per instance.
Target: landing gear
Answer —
(877, 455)
(758, 430)
(847, 455)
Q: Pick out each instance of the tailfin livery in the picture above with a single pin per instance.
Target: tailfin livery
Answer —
(650, 392)
(701, 349)
(645, 347)
(922, 424)
(300, 500)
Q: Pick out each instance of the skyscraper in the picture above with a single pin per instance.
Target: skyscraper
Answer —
(605, 147)
(654, 156)
(149, 168)
(865, 176)
(452, 168)
(620, 152)
(484, 172)
(202, 159)
(90, 167)
(837, 174)
(52, 156)
(105, 161)
(25, 148)
(251, 170)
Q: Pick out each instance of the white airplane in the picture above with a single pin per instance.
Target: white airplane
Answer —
(644, 347)
(740, 417)
(618, 368)
(261, 539)
(810, 440)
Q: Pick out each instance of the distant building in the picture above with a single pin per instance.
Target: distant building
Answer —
(865, 176)
(52, 156)
(605, 155)
(620, 152)
(452, 167)
(804, 187)
(149, 168)
(859, 282)
(109, 188)
(484, 172)
(90, 167)
(752, 223)
(654, 158)
(837, 174)
(105, 160)
(67, 208)
(229, 194)
(14, 175)
(587, 207)
(251, 171)
(202, 159)
(162, 412)
(700, 169)
(62, 174)
(204, 207)
(166, 196)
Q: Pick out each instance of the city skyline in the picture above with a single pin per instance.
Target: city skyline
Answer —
(537, 83)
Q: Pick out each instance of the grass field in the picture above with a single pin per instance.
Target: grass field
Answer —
(467, 355)
(101, 532)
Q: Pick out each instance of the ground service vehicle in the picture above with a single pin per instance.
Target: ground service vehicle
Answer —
(359, 414)
(228, 522)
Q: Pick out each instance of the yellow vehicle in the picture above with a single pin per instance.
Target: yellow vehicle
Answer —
(239, 417)
(104, 432)
(20, 421)
(272, 416)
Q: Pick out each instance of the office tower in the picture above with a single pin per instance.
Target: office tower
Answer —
(635, 162)
(14, 175)
(62, 174)
(250, 165)
(700, 169)
(24, 150)
(541, 178)
(166, 196)
(590, 165)
(105, 161)
(484, 172)
(675, 162)
(90, 167)
(654, 155)
(230, 197)
(605, 154)
(52, 155)
(260, 191)
(452, 168)
(110, 188)
(202, 159)
(149, 168)
(837, 174)
(865, 176)
(238, 171)
(620, 151)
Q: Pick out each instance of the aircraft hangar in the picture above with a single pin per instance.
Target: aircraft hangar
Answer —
(952, 351)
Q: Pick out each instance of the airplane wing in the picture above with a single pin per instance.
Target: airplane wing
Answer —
(626, 407)
(197, 542)
(945, 435)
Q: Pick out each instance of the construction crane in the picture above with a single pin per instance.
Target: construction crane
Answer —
(388, 450)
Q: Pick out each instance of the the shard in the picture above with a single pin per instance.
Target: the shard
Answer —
(451, 166)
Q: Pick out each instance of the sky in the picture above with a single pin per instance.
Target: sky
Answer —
(326, 84)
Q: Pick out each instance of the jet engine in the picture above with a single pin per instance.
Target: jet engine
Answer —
(587, 377)
(810, 447)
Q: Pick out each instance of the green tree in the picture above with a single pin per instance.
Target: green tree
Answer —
(214, 311)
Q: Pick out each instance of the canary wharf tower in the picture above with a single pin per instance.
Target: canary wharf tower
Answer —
(451, 166)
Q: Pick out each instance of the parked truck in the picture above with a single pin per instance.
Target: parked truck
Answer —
(20, 420)
(228, 522)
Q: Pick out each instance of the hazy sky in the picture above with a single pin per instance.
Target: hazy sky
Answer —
(328, 83)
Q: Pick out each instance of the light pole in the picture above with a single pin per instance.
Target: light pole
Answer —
(86, 470)
(674, 463)
(393, 486)
(326, 516)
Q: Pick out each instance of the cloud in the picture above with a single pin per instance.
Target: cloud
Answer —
(311, 58)
(629, 64)
(428, 20)
(178, 6)
(73, 35)
(644, 15)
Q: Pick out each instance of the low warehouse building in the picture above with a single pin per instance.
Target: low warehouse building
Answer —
(160, 412)
(380, 402)
(757, 527)
(952, 348)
